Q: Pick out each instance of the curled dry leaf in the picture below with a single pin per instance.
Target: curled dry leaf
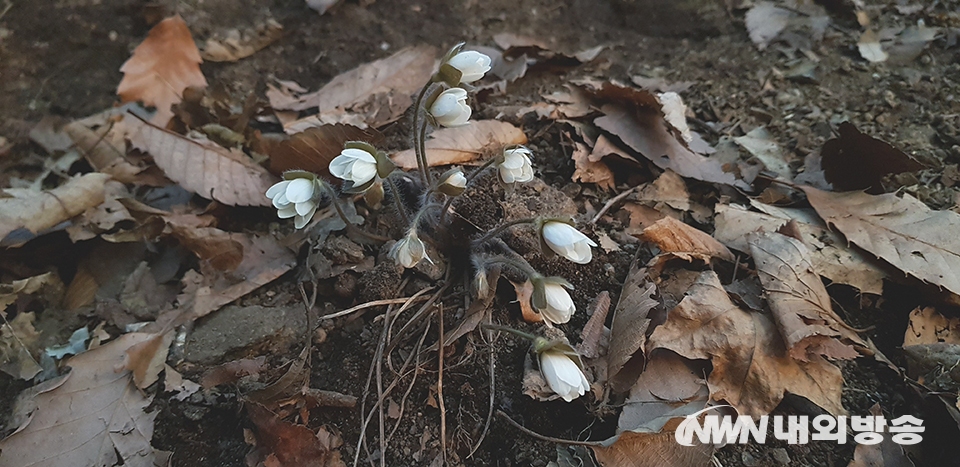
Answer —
(463, 144)
(220, 249)
(855, 161)
(19, 342)
(524, 293)
(313, 148)
(652, 450)
(751, 368)
(670, 385)
(292, 444)
(762, 145)
(828, 252)
(592, 335)
(903, 231)
(235, 45)
(161, 67)
(679, 240)
(378, 92)
(589, 171)
(232, 371)
(628, 329)
(146, 359)
(870, 48)
(24, 213)
(799, 301)
(204, 168)
(929, 327)
(98, 148)
(173, 381)
(88, 416)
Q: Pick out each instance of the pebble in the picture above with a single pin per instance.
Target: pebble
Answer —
(780, 455)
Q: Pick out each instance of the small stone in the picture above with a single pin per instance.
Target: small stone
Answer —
(226, 333)
(749, 460)
(780, 455)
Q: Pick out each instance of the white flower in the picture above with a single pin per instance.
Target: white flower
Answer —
(450, 108)
(559, 306)
(516, 165)
(452, 183)
(295, 198)
(409, 250)
(354, 165)
(471, 64)
(563, 375)
(567, 241)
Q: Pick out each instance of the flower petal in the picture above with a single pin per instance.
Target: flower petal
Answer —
(287, 211)
(300, 190)
(277, 188)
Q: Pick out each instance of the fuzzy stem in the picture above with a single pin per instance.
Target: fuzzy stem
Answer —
(421, 158)
(502, 228)
(519, 264)
(473, 174)
(423, 152)
(497, 327)
(334, 199)
(397, 202)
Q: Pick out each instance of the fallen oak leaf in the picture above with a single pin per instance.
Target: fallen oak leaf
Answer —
(929, 327)
(589, 171)
(628, 330)
(902, 231)
(24, 214)
(799, 301)
(314, 148)
(206, 169)
(161, 67)
(855, 161)
(98, 149)
(146, 359)
(751, 368)
(19, 342)
(463, 144)
(642, 449)
(87, 416)
(679, 240)
(293, 444)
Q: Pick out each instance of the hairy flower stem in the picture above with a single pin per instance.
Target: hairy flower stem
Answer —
(349, 225)
(421, 157)
(519, 264)
(472, 175)
(397, 202)
(423, 152)
(502, 228)
(497, 327)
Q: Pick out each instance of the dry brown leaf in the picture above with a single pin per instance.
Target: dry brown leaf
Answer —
(161, 67)
(292, 444)
(206, 169)
(829, 253)
(313, 148)
(903, 231)
(628, 329)
(592, 343)
(104, 217)
(751, 368)
(588, 171)
(146, 359)
(799, 301)
(641, 217)
(524, 292)
(19, 342)
(652, 450)
(886, 453)
(173, 381)
(679, 240)
(24, 214)
(929, 327)
(375, 93)
(670, 385)
(98, 148)
(463, 144)
(232, 371)
(264, 259)
(934, 365)
(48, 283)
(236, 45)
(855, 161)
(220, 249)
(87, 416)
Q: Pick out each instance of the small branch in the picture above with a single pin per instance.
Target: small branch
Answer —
(502, 228)
(363, 306)
(443, 410)
(609, 204)
(550, 439)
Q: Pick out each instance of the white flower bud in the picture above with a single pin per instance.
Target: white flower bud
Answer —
(516, 165)
(567, 241)
(551, 300)
(471, 64)
(452, 183)
(357, 166)
(296, 197)
(409, 250)
(450, 108)
(563, 375)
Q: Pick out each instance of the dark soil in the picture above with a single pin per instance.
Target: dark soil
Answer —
(62, 57)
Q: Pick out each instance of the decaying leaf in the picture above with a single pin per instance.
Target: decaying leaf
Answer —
(99, 150)
(232, 371)
(173, 381)
(592, 336)
(292, 444)
(764, 147)
(652, 450)
(679, 240)
(24, 213)
(378, 92)
(48, 284)
(870, 48)
(886, 453)
(903, 231)
(211, 171)
(855, 161)
(161, 67)
(235, 45)
(146, 359)
(264, 260)
(524, 291)
(751, 368)
(799, 301)
(764, 22)
(19, 342)
(934, 365)
(463, 144)
(87, 416)
(829, 253)
(628, 329)
(929, 327)
(668, 385)
(313, 148)
(588, 171)
(210, 244)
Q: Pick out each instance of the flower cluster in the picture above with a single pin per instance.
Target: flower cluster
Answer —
(361, 168)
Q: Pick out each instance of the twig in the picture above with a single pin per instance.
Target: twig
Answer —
(486, 425)
(609, 204)
(388, 301)
(443, 410)
(551, 439)
(416, 371)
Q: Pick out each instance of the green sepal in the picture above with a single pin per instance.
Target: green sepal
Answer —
(449, 75)
(385, 166)
(295, 174)
(361, 145)
(350, 188)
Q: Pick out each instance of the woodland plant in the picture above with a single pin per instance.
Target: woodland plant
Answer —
(362, 168)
